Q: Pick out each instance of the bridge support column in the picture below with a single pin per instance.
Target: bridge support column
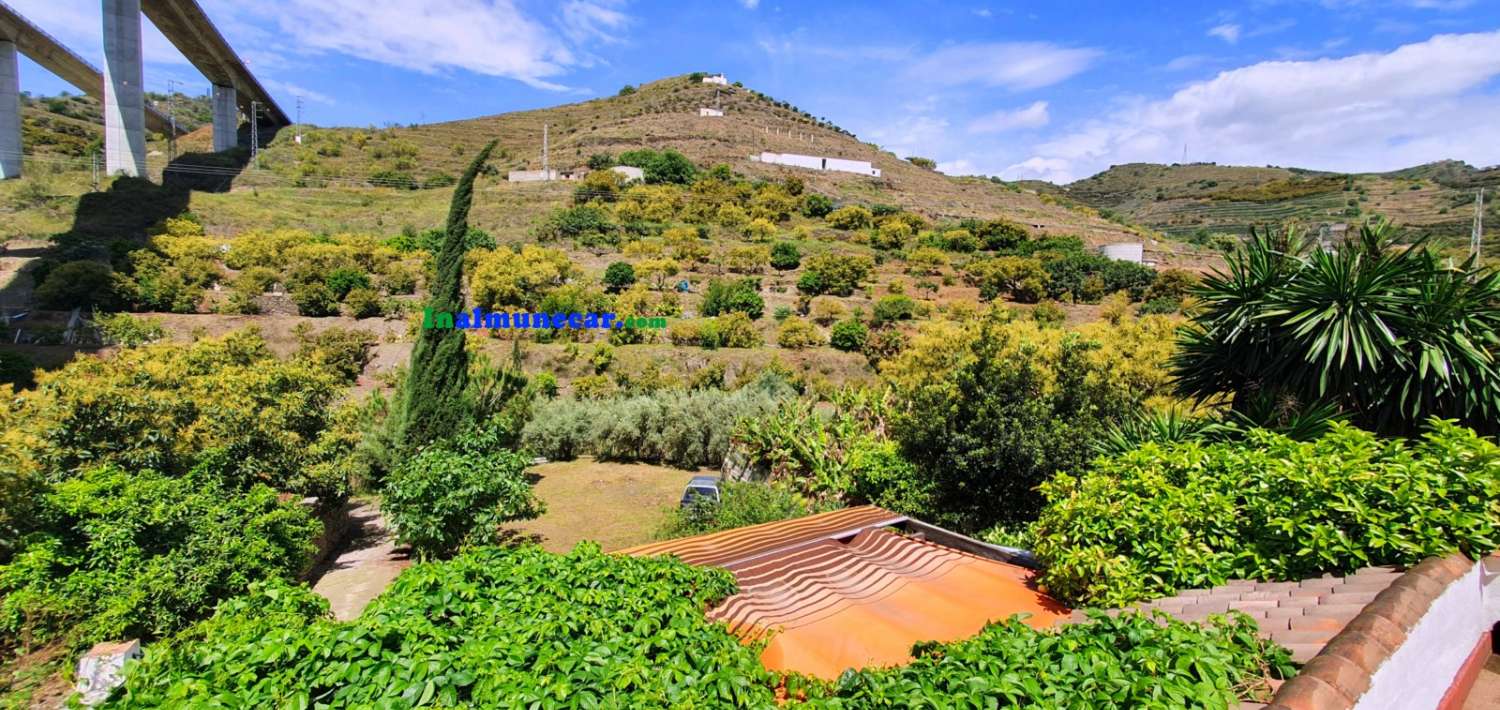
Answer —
(124, 93)
(226, 118)
(10, 112)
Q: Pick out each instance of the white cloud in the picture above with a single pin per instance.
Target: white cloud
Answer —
(1033, 116)
(1013, 65)
(1188, 61)
(491, 37)
(1377, 111)
(295, 91)
(750, 4)
(1228, 32)
(956, 167)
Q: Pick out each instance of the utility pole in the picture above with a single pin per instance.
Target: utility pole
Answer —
(1478, 236)
(299, 120)
(546, 171)
(255, 134)
(172, 120)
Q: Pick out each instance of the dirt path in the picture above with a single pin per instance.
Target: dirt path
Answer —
(367, 565)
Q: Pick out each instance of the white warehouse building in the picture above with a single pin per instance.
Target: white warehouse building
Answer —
(818, 162)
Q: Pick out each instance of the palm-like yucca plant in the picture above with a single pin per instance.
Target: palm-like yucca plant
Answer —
(1385, 332)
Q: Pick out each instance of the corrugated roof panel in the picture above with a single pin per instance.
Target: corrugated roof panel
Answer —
(722, 549)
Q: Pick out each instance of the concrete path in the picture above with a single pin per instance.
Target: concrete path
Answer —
(367, 563)
(1485, 695)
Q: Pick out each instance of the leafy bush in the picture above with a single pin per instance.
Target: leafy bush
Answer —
(836, 274)
(737, 296)
(86, 284)
(849, 335)
(1189, 514)
(442, 499)
(362, 303)
(142, 554)
(850, 217)
(127, 330)
(618, 277)
(894, 308)
(741, 504)
(314, 299)
(530, 628)
(816, 206)
(668, 166)
(1129, 661)
(796, 334)
(338, 350)
(585, 223)
(1022, 278)
(683, 429)
(341, 281)
(17, 369)
(166, 407)
(505, 278)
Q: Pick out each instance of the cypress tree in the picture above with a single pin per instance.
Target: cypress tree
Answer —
(439, 364)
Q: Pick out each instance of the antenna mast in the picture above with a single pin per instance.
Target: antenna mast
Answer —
(1478, 236)
(546, 171)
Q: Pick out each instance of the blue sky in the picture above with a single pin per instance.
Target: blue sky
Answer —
(1025, 90)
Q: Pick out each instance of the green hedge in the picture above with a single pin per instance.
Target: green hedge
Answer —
(491, 628)
(1189, 514)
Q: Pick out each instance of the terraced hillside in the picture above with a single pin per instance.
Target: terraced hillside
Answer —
(1203, 198)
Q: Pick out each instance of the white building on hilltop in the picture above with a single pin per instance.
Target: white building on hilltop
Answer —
(716, 79)
(710, 112)
(818, 162)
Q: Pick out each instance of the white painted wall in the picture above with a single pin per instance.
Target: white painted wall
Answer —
(818, 162)
(531, 175)
(629, 172)
(1124, 251)
(716, 79)
(710, 112)
(1417, 675)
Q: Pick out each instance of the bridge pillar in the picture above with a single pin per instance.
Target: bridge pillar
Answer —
(226, 118)
(10, 112)
(124, 93)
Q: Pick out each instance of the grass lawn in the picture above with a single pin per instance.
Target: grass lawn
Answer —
(615, 504)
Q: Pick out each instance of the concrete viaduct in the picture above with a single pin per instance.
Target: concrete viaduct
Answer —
(120, 87)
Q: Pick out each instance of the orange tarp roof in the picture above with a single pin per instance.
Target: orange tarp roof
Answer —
(721, 548)
(833, 602)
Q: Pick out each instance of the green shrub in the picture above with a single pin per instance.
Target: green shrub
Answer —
(143, 555)
(490, 628)
(338, 350)
(850, 217)
(1049, 313)
(668, 166)
(816, 206)
(314, 299)
(1130, 661)
(796, 334)
(785, 255)
(440, 499)
(835, 274)
(17, 369)
(849, 335)
(894, 308)
(86, 284)
(737, 296)
(675, 428)
(128, 330)
(1188, 514)
(341, 281)
(734, 330)
(619, 276)
(362, 303)
(741, 504)
(585, 223)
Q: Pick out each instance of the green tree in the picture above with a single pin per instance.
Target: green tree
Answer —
(439, 365)
(740, 295)
(619, 276)
(785, 255)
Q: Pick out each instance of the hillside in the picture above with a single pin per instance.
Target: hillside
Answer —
(1204, 198)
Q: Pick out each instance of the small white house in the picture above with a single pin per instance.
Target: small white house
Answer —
(705, 111)
(716, 79)
(541, 175)
(629, 172)
(818, 162)
(1124, 251)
